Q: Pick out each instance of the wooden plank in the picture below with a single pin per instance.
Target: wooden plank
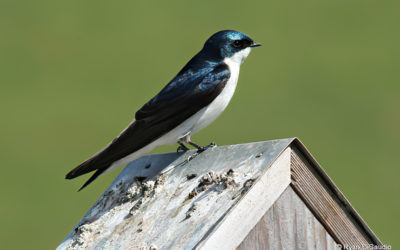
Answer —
(179, 199)
(288, 224)
(178, 202)
(234, 227)
(325, 204)
(341, 199)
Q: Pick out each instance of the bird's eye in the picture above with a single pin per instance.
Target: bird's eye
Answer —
(237, 44)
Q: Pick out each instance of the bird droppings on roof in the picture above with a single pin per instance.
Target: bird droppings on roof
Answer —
(171, 209)
(145, 190)
(190, 176)
(246, 186)
(217, 181)
(191, 210)
(136, 192)
(139, 194)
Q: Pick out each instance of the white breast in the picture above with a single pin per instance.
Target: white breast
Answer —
(208, 114)
(202, 118)
(192, 125)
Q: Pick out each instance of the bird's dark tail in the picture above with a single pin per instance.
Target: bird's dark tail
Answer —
(84, 168)
(92, 178)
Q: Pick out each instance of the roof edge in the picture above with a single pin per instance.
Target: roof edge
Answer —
(241, 218)
(335, 190)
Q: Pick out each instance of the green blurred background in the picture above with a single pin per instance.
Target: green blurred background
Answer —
(73, 73)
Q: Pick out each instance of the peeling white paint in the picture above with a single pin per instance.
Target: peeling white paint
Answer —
(178, 208)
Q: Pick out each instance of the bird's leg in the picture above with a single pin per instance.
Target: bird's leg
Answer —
(200, 149)
(182, 147)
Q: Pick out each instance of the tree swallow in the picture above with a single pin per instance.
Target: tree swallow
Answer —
(193, 99)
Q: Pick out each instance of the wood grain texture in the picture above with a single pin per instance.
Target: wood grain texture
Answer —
(154, 203)
(339, 197)
(288, 224)
(225, 204)
(325, 204)
(243, 216)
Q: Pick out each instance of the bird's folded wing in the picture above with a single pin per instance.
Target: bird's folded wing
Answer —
(184, 96)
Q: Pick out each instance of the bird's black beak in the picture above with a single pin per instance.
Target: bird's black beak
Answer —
(255, 45)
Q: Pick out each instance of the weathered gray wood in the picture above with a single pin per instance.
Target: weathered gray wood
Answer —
(234, 227)
(312, 163)
(325, 204)
(288, 224)
(213, 200)
(176, 210)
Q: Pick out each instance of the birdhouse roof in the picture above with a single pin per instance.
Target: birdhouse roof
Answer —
(213, 200)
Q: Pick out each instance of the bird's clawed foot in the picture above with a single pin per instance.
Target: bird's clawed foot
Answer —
(201, 149)
(186, 139)
(182, 148)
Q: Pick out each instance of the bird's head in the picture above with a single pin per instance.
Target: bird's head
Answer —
(229, 44)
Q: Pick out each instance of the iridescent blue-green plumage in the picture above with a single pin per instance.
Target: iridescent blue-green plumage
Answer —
(215, 50)
(199, 82)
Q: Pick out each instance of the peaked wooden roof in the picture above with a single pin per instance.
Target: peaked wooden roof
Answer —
(326, 201)
(194, 200)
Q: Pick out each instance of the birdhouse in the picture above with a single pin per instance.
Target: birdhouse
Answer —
(263, 195)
